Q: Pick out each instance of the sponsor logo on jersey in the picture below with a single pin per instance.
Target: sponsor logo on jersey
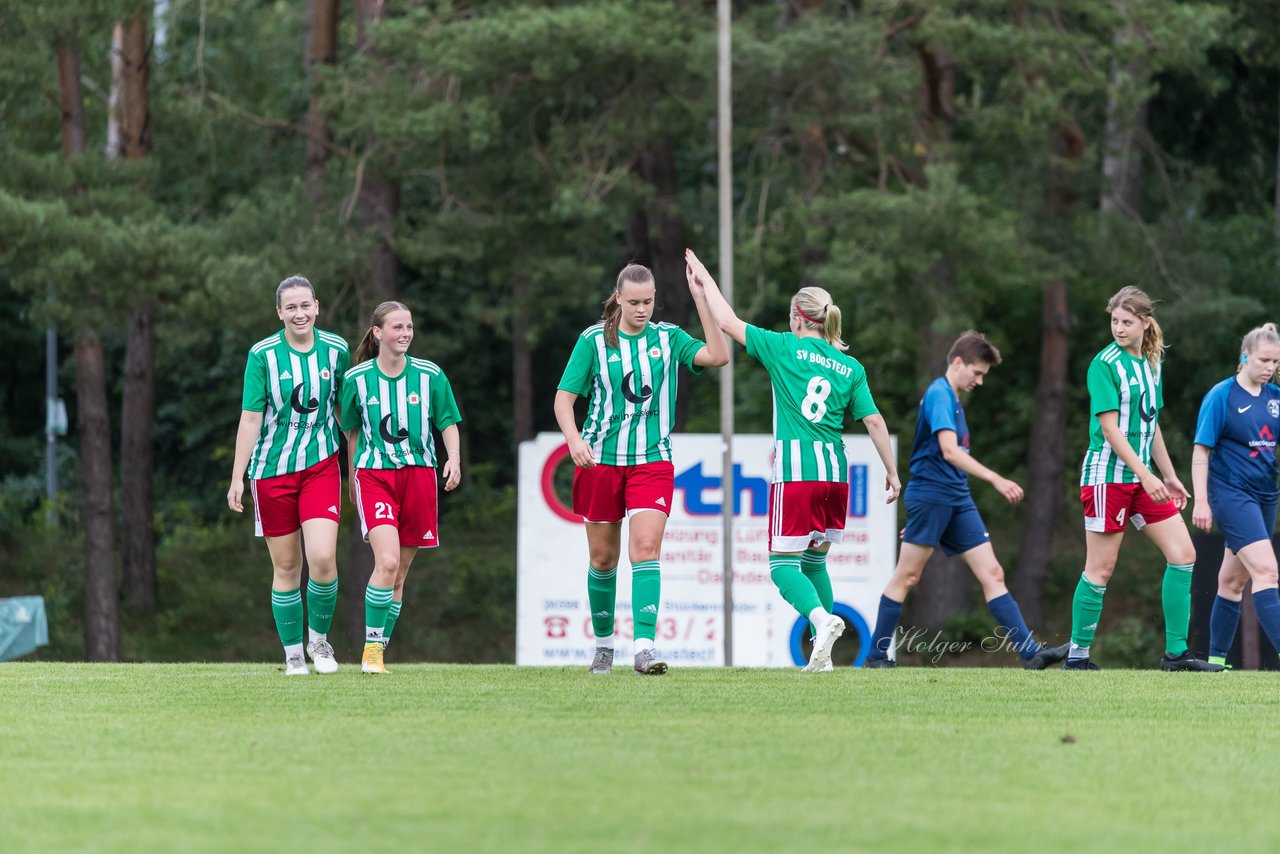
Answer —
(372, 401)
(286, 376)
(295, 400)
(1134, 381)
(614, 357)
(1145, 414)
(384, 429)
(1243, 409)
(414, 399)
(631, 393)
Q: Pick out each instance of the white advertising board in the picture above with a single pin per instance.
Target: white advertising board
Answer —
(553, 621)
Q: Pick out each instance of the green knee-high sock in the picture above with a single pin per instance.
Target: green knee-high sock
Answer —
(1175, 595)
(321, 599)
(814, 566)
(286, 607)
(1086, 609)
(792, 583)
(393, 614)
(602, 593)
(377, 601)
(646, 591)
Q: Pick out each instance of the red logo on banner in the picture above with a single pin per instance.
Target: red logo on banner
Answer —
(549, 486)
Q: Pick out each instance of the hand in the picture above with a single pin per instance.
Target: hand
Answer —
(695, 287)
(452, 472)
(235, 494)
(1155, 488)
(696, 268)
(1177, 492)
(582, 456)
(1202, 516)
(1010, 490)
(893, 487)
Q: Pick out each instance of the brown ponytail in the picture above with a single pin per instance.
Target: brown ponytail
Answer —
(1134, 300)
(368, 346)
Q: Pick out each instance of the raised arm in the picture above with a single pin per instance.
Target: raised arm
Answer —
(721, 312)
(716, 353)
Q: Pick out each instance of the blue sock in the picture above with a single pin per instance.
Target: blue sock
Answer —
(1266, 603)
(1007, 613)
(886, 624)
(1223, 620)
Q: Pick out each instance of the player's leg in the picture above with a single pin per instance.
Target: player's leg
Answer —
(1171, 536)
(376, 501)
(796, 510)
(912, 558)
(419, 529)
(286, 599)
(813, 560)
(319, 499)
(1105, 508)
(1259, 558)
(1224, 619)
(1011, 627)
(598, 498)
(648, 491)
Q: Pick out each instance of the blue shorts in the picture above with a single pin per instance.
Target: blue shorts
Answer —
(956, 527)
(1242, 517)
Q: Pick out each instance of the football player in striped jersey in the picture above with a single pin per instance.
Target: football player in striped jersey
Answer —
(1117, 485)
(288, 444)
(627, 367)
(390, 403)
(816, 385)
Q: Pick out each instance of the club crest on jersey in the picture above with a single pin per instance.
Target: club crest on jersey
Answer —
(413, 398)
(1273, 407)
(654, 352)
(324, 373)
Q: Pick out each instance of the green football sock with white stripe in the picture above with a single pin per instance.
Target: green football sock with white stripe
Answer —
(646, 591)
(321, 600)
(1086, 610)
(1175, 596)
(602, 594)
(286, 607)
(377, 602)
(813, 564)
(393, 614)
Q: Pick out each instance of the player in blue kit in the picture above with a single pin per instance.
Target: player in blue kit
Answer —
(1233, 476)
(940, 509)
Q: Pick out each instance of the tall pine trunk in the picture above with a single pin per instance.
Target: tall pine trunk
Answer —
(101, 614)
(322, 49)
(521, 361)
(138, 410)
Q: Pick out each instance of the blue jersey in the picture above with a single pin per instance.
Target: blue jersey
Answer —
(932, 477)
(1241, 429)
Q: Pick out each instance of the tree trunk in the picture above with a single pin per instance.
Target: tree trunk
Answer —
(521, 362)
(138, 410)
(1126, 121)
(379, 195)
(664, 248)
(322, 49)
(101, 614)
(114, 97)
(1046, 457)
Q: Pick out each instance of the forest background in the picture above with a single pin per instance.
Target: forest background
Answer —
(937, 166)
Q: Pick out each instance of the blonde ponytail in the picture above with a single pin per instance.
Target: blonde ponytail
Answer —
(816, 310)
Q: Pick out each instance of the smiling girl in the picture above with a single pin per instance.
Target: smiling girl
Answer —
(288, 444)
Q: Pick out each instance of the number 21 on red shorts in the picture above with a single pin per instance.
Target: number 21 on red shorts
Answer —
(403, 498)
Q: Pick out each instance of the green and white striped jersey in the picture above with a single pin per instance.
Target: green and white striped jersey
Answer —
(395, 414)
(814, 386)
(631, 391)
(1132, 387)
(297, 394)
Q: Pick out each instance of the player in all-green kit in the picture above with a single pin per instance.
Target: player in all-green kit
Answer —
(288, 445)
(627, 368)
(390, 402)
(1126, 394)
(815, 386)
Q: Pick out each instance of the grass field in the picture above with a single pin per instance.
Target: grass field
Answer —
(237, 758)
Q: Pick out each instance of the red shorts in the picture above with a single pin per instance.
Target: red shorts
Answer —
(608, 493)
(1108, 506)
(282, 503)
(805, 512)
(403, 498)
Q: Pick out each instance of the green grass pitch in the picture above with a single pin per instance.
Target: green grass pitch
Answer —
(461, 758)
